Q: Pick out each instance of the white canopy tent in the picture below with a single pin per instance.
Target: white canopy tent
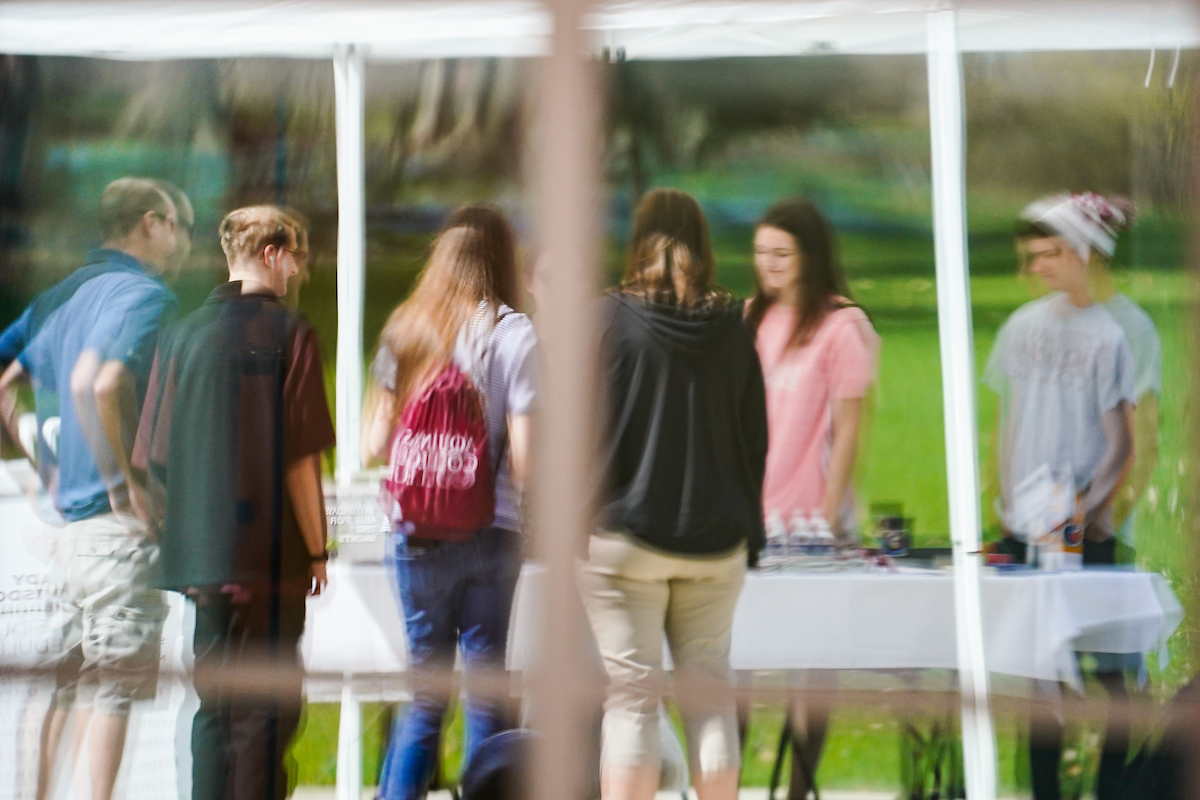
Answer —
(349, 31)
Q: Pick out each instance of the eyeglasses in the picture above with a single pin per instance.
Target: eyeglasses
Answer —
(174, 223)
(299, 255)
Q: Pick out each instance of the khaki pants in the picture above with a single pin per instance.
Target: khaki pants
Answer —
(107, 619)
(633, 596)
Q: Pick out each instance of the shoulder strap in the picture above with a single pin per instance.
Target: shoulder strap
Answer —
(487, 354)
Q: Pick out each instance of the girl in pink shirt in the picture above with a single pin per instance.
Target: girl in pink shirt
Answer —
(818, 354)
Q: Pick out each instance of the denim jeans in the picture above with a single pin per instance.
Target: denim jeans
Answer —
(453, 595)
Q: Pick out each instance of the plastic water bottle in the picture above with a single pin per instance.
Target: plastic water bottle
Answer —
(823, 542)
(799, 539)
(776, 536)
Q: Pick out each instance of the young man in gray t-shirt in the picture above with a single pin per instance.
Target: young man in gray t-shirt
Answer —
(1064, 374)
(1144, 344)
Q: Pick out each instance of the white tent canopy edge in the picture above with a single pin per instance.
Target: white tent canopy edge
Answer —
(660, 29)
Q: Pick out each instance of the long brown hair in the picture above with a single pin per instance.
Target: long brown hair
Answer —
(670, 252)
(473, 262)
(822, 282)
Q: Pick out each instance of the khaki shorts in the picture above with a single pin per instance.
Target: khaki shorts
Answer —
(107, 620)
(634, 596)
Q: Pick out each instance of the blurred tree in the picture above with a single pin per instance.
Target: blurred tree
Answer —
(443, 120)
(685, 114)
(1163, 139)
(19, 88)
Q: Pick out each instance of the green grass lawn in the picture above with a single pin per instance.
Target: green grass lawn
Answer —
(904, 462)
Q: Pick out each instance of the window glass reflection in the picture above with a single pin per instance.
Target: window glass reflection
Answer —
(1078, 217)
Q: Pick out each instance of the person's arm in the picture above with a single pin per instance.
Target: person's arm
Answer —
(103, 383)
(993, 492)
(11, 407)
(520, 445)
(148, 495)
(755, 440)
(847, 417)
(1145, 458)
(14, 338)
(1114, 465)
(308, 504)
(377, 425)
(118, 414)
(86, 401)
(308, 431)
(853, 363)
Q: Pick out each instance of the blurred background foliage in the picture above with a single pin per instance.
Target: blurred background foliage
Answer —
(851, 132)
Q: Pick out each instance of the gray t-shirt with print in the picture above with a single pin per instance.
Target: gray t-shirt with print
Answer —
(1058, 369)
(501, 361)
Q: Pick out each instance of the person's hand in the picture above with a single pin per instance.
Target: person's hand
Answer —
(829, 511)
(149, 503)
(118, 499)
(319, 578)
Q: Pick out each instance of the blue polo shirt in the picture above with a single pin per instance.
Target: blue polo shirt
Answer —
(99, 261)
(116, 312)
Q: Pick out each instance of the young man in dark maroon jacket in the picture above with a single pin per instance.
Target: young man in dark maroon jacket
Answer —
(232, 429)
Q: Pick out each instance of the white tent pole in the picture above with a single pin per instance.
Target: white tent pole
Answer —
(349, 750)
(351, 257)
(947, 141)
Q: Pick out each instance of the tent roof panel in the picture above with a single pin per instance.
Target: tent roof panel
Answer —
(682, 29)
(653, 29)
(160, 29)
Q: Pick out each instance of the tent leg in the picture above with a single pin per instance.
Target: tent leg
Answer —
(348, 71)
(947, 143)
(349, 752)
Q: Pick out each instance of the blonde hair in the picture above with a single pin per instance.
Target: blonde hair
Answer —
(247, 231)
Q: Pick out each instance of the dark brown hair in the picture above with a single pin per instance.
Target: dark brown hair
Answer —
(473, 262)
(1025, 229)
(822, 282)
(670, 252)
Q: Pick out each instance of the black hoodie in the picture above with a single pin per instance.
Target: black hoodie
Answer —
(686, 440)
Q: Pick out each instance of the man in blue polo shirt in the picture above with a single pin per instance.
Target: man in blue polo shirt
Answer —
(90, 345)
(100, 261)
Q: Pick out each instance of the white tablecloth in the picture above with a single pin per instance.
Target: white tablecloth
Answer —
(1033, 622)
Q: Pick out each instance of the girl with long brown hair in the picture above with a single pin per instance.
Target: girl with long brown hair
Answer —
(456, 594)
(818, 354)
(681, 512)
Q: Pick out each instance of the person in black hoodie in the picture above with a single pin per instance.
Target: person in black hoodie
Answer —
(681, 513)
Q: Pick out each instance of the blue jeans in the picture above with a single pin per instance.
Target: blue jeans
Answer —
(453, 595)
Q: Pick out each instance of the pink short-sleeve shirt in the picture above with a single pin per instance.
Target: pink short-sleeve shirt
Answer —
(802, 383)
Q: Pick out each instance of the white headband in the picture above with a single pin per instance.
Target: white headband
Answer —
(1080, 219)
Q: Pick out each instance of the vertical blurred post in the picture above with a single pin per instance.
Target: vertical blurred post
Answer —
(568, 177)
(1191, 622)
(349, 754)
(351, 270)
(946, 134)
(351, 256)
